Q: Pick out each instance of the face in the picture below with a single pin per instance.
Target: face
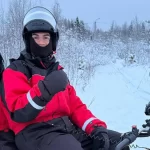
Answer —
(41, 38)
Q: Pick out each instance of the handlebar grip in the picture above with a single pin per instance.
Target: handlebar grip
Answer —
(128, 140)
(122, 144)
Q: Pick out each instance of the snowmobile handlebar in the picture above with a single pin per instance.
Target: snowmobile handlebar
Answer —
(130, 137)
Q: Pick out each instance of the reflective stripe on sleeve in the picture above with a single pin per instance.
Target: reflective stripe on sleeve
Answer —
(87, 122)
(33, 103)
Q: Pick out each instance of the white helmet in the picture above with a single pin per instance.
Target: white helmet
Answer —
(40, 19)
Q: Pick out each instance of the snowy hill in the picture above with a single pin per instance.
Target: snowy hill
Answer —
(118, 95)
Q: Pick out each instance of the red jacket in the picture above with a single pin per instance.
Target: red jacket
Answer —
(23, 98)
(3, 120)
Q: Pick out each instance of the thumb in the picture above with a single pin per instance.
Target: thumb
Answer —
(54, 67)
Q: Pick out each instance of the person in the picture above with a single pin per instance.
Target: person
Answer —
(46, 113)
(7, 137)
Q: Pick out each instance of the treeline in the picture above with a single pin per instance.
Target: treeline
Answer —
(80, 49)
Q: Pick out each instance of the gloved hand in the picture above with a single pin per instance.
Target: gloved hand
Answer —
(100, 138)
(56, 82)
(53, 83)
(147, 109)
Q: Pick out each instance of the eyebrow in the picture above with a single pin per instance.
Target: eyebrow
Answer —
(47, 34)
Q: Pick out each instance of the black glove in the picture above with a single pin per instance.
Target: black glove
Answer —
(100, 138)
(147, 109)
(53, 67)
(55, 82)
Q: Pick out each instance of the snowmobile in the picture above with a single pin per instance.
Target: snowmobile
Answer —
(130, 137)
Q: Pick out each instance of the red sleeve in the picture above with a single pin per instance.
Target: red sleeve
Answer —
(23, 101)
(82, 116)
(3, 120)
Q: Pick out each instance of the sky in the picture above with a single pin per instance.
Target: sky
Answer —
(118, 95)
(107, 10)
(119, 11)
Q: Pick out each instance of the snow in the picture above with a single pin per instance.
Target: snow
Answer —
(118, 94)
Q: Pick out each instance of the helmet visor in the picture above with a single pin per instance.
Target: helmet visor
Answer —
(40, 13)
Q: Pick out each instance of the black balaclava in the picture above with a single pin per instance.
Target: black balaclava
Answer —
(38, 51)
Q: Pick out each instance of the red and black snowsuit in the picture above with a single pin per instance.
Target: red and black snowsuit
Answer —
(3, 120)
(23, 99)
(39, 124)
(7, 137)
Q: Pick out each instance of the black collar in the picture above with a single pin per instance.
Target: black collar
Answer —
(44, 63)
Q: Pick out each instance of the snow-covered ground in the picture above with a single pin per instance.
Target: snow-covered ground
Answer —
(118, 95)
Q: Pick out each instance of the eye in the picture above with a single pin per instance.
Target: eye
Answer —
(47, 37)
(35, 37)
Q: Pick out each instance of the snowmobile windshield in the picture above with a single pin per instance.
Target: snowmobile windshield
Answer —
(40, 13)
